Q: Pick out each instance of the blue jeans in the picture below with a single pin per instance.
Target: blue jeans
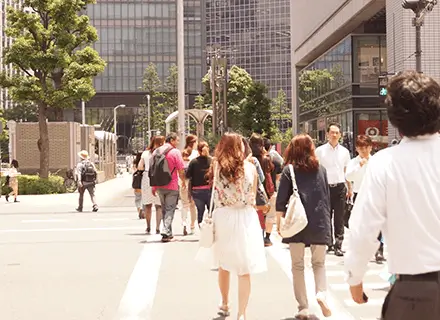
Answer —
(202, 199)
(168, 200)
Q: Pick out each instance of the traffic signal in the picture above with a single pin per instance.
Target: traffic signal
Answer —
(382, 85)
(414, 5)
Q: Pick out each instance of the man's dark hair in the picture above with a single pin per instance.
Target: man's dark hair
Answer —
(267, 144)
(413, 104)
(331, 124)
(171, 137)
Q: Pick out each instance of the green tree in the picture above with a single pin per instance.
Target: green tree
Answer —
(279, 106)
(239, 83)
(321, 91)
(256, 112)
(151, 84)
(199, 102)
(170, 98)
(24, 112)
(4, 141)
(52, 56)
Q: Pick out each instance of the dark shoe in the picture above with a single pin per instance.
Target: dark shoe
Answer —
(79, 209)
(379, 255)
(338, 252)
(330, 249)
(16, 201)
(185, 232)
(148, 230)
(7, 198)
(95, 209)
(166, 238)
(157, 231)
(267, 242)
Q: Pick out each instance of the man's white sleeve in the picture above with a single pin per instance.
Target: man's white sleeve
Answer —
(366, 221)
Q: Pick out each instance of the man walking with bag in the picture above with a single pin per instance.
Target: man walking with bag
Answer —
(400, 196)
(166, 167)
(86, 177)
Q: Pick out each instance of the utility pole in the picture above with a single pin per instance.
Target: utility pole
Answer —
(420, 8)
(180, 74)
(219, 88)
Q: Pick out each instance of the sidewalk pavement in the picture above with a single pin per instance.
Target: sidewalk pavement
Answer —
(105, 193)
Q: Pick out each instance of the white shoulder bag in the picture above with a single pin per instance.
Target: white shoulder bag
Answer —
(295, 219)
(207, 226)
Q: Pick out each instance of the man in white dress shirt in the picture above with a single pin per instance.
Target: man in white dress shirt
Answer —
(334, 157)
(400, 195)
(355, 173)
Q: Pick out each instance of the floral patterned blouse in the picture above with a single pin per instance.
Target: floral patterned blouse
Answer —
(239, 194)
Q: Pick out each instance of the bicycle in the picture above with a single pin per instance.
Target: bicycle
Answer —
(70, 182)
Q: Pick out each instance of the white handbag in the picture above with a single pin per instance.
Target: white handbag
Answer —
(295, 219)
(207, 226)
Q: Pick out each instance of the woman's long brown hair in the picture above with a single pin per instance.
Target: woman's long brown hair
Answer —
(229, 157)
(301, 153)
(156, 142)
(189, 145)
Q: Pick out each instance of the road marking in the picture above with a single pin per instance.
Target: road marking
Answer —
(44, 220)
(138, 298)
(69, 229)
(110, 219)
(282, 256)
(367, 285)
(371, 302)
(341, 273)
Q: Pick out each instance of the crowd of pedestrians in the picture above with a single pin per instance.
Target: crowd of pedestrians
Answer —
(395, 193)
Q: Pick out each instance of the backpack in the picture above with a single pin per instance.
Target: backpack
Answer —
(137, 179)
(268, 184)
(159, 170)
(88, 174)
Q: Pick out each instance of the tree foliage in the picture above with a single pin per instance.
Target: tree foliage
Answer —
(279, 106)
(52, 56)
(170, 96)
(256, 111)
(4, 141)
(321, 91)
(239, 83)
(24, 112)
(152, 85)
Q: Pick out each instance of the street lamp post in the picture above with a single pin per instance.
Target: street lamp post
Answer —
(115, 120)
(149, 117)
(181, 72)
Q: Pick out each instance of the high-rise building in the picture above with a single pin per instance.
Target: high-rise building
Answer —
(133, 34)
(5, 101)
(254, 35)
(344, 49)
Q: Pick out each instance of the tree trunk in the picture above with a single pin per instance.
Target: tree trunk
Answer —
(43, 142)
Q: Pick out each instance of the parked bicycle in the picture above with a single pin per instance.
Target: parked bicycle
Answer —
(70, 182)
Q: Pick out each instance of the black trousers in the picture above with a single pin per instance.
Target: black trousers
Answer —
(414, 297)
(338, 194)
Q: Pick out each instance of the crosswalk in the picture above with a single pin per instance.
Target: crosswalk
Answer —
(375, 284)
(170, 268)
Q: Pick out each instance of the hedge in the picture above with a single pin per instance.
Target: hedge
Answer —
(32, 184)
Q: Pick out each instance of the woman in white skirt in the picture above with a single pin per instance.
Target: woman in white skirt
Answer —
(148, 199)
(238, 246)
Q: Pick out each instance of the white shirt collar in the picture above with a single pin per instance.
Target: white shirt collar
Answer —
(424, 137)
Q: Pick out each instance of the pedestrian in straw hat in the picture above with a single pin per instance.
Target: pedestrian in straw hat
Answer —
(86, 177)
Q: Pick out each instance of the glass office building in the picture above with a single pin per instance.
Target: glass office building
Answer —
(132, 34)
(255, 34)
(342, 86)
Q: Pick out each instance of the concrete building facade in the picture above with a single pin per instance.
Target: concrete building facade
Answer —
(338, 56)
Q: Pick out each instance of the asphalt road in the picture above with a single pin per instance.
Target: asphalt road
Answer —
(56, 264)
